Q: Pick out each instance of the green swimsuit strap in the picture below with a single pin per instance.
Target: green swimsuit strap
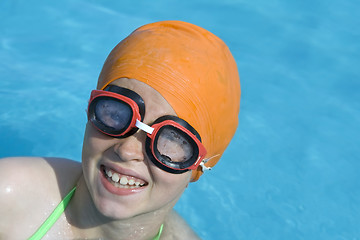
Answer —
(157, 237)
(53, 217)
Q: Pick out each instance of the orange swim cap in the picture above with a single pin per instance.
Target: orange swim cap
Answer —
(192, 69)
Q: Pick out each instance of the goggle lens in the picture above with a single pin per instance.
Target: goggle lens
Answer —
(174, 145)
(113, 114)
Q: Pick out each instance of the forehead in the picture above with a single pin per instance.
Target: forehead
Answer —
(155, 103)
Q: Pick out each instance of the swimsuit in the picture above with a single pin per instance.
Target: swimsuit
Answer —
(57, 213)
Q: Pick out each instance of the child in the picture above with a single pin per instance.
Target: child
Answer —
(165, 108)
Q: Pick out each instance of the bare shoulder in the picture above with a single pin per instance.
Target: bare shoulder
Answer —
(177, 228)
(30, 187)
(29, 173)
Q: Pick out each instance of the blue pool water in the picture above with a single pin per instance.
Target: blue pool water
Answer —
(292, 170)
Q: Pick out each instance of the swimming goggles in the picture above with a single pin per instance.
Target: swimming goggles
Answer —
(172, 144)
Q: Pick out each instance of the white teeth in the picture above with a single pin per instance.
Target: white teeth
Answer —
(123, 180)
(115, 177)
(131, 182)
(108, 173)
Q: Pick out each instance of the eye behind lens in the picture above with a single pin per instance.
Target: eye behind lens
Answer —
(174, 148)
(109, 115)
(174, 168)
(113, 114)
(174, 144)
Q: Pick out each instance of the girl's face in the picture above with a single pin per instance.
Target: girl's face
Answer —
(121, 179)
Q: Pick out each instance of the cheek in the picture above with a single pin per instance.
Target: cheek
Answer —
(171, 183)
(88, 143)
(88, 154)
(94, 142)
(167, 188)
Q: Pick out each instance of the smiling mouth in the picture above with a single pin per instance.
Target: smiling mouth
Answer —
(122, 181)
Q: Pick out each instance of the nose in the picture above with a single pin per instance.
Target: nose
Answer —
(130, 148)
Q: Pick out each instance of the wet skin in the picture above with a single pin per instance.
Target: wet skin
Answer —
(30, 188)
(128, 155)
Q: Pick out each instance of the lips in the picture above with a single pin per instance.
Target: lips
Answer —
(121, 182)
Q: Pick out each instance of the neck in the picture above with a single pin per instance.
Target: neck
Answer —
(87, 221)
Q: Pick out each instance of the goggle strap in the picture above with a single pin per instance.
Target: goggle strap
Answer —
(203, 167)
(202, 164)
(144, 127)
